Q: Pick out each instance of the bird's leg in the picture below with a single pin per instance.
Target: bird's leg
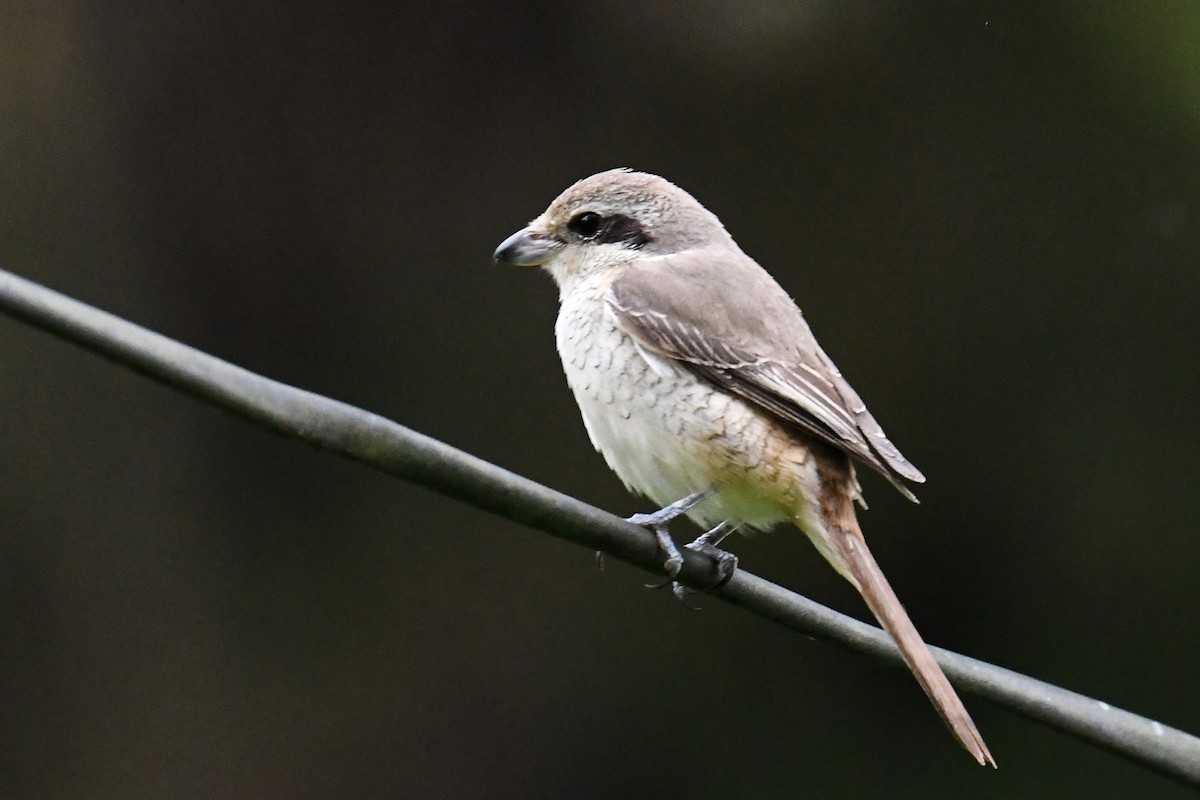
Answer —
(657, 521)
(706, 544)
(667, 513)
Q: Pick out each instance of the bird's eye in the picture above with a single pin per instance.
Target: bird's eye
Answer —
(586, 224)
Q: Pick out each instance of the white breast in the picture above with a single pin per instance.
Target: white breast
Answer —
(662, 430)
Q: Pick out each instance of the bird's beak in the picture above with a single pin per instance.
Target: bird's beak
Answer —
(527, 248)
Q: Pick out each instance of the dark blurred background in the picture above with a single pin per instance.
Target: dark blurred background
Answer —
(990, 213)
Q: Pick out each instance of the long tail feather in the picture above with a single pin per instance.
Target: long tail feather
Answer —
(852, 549)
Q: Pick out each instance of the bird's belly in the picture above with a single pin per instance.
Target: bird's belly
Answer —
(636, 441)
(667, 434)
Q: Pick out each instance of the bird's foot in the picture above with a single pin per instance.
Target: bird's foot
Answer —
(706, 544)
(656, 523)
(727, 562)
(666, 544)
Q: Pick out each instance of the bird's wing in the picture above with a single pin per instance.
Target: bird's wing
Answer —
(718, 312)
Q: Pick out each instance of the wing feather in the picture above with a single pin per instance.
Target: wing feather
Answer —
(724, 317)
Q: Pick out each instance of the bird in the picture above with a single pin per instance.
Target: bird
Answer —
(702, 386)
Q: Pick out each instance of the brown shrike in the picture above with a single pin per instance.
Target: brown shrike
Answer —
(703, 388)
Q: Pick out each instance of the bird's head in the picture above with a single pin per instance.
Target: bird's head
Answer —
(609, 219)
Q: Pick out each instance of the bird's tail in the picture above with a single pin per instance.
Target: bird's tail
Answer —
(845, 544)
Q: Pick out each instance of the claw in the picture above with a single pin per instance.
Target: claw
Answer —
(681, 593)
(706, 544)
(727, 562)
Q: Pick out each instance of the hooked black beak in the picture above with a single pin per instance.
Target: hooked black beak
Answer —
(527, 248)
